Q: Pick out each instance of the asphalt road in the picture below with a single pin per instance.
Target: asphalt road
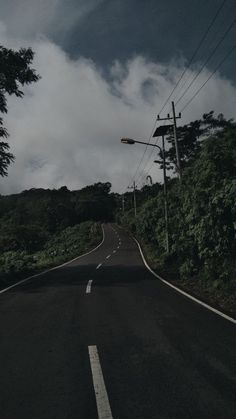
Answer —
(110, 340)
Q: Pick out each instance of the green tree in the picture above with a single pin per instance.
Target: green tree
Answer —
(201, 210)
(15, 71)
(191, 136)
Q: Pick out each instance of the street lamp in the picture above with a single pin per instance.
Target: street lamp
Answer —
(127, 141)
(162, 131)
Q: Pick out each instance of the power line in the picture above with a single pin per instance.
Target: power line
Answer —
(145, 149)
(198, 91)
(207, 60)
(195, 53)
(184, 72)
(141, 160)
(142, 174)
(176, 145)
(181, 77)
(211, 75)
(149, 157)
(209, 44)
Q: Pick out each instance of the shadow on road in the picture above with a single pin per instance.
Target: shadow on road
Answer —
(78, 276)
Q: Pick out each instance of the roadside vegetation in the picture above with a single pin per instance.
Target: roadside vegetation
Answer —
(202, 214)
(43, 228)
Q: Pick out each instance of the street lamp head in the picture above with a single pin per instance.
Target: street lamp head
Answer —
(127, 141)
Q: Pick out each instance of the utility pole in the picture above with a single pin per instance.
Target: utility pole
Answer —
(165, 195)
(163, 162)
(135, 205)
(123, 203)
(176, 140)
(134, 195)
(174, 118)
(160, 132)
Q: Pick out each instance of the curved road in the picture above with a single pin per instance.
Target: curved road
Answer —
(101, 337)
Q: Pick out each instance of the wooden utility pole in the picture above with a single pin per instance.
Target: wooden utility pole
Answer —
(176, 140)
(135, 204)
(174, 118)
(134, 197)
(165, 195)
(123, 203)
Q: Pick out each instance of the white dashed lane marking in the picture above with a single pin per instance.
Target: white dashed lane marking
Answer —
(103, 405)
(108, 256)
(88, 288)
(99, 266)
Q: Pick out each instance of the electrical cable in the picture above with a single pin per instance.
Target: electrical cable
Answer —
(211, 75)
(207, 60)
(142, 174)
(198, 91)
(184, 72)
(209, 57)
(181, 77)
(195, 53)
(141, 160)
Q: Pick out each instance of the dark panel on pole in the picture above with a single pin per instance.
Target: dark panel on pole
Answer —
(162, 130)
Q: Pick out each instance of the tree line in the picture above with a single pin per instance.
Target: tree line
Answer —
(29, 219)
(40, 228)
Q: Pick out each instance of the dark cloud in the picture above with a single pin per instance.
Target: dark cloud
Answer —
(159, 30)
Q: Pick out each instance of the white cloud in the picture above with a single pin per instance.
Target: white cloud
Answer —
(66, 130)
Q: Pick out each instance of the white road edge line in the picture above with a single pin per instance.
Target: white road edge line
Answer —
(99, 266)
(103, 405)
(218, 312)
(55, 267)
(88, 288)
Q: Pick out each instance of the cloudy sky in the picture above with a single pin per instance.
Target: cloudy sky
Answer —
(107, 67)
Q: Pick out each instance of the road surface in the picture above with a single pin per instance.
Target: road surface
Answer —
(102, 338)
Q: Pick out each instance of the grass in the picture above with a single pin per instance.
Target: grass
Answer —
(60, 248)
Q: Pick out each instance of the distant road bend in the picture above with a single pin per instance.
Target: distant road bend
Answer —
(102, 338)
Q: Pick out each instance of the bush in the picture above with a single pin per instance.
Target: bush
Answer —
(60, 248)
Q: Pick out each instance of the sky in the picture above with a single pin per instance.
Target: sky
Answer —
(107, 67)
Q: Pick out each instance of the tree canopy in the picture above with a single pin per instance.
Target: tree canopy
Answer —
(201, 208)
(190, 137)
(15, 71)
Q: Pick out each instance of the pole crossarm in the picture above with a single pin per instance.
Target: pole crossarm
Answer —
(168, 118)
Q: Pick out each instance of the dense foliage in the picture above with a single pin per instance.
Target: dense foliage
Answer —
(40, 227)
(191, 135)
(202, 213)
(15, 70)
(60, 248)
